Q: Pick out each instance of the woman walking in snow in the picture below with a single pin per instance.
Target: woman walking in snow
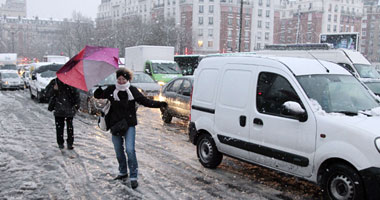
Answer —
(121, 119)
(65, 105)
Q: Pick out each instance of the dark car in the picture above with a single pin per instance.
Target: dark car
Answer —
(176, 94)
(90, 104)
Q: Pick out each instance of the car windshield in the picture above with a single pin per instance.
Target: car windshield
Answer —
(374, 86)
(10, 75)
(9, 67)
(367, 71)
(48, 74)
(142, 78)
(338, 93)
(109, 80)
(166, 68)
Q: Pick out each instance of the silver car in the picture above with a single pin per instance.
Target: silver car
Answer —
(9, 79)
(146, 85)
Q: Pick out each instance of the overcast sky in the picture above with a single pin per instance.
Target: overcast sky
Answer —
(60, 9)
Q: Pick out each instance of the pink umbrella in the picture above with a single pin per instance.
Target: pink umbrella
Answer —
(89, 67)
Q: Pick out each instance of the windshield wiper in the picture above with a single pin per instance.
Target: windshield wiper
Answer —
(364, 113)
(349, 113)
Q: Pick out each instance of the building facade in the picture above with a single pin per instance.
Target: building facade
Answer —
(302, 21)
(370, 44)
(13, 8)
(214, 24)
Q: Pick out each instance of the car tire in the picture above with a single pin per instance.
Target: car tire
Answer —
(341, 181)
(31, 95)
(207, 153)
(89, 107)
(39, 99)
(165, 115)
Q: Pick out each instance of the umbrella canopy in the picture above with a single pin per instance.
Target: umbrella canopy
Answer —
(89, 67)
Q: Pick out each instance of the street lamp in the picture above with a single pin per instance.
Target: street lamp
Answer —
(241, 24)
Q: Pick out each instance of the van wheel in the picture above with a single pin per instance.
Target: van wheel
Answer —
(39, 99)
(166, 117)
(207, 153)
(341, 181)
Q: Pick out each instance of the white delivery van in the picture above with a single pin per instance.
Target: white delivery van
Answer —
(351, 60)
(308, 118)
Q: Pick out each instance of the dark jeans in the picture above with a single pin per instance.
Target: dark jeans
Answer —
(60, 126)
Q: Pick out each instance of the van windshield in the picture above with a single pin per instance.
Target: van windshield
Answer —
(166, 68)
(48, 74)
(366, 71)
(338, 93)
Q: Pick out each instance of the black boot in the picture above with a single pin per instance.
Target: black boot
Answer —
(119, 177)
(70, 146)
(134, 184)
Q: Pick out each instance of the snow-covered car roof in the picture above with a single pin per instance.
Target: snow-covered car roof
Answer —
(298, 66)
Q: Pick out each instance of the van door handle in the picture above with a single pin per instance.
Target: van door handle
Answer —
(258, 121)
(242, 120)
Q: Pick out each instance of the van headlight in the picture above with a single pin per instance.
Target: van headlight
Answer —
(377, 144)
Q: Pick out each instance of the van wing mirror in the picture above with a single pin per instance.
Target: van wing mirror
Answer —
(34, 77)
(293, 108)
(148, 71)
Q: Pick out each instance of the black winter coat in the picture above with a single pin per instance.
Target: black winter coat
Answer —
(124, 108)
(67, 98)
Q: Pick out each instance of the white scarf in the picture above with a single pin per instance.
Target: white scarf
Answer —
(124, 87)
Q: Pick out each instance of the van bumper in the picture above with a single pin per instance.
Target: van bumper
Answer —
(192, 133)
(371, 179)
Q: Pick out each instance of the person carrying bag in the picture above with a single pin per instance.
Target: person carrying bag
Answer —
(121, 120)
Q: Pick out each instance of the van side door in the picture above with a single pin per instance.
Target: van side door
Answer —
(233, 104)
(277, 139)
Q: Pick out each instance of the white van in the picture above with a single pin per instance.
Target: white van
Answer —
(40, 76)
(352, 60)
(308, 118)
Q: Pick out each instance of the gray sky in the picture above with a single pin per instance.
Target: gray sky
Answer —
(60, 9)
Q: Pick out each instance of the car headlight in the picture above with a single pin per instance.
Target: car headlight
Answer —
(161, 83)
(377, 144)
(6, 82)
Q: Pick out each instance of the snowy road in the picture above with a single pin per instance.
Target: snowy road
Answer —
(32, 166)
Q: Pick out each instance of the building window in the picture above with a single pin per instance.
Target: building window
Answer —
(260, 2)
(210, 20)
(246, 46)
(335, 18)
(267, 13)
(229, 21)
(247, 23)
(259, 24)
(329, 18)
(268, 3)
(210, 32)
(260, 12)
(210, 43)
(200, 32)
(211, 9)
(266, 35)
(267, 25)
(200, 22)
(259, 35)
(334, 28)
(328, 28)
(246, 34)
(229, 45)
(201, 9)
(229, 33)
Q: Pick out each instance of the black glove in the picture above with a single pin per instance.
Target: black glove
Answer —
(164, 104)
(76, 107)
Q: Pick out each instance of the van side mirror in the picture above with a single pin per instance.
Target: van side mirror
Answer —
(34, 77)
(293, 108)
(148, 71)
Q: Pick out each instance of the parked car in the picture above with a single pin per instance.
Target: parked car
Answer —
(41, 76)
(9, 79)
(305, 117)
(176, 94)
(90, 104)
(373, 85)
(26, 77)
(146, 85)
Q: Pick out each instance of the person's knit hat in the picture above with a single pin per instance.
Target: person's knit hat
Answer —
(125, 73)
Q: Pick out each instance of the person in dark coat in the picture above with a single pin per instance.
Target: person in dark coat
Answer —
(65, 106)
(123, 97)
